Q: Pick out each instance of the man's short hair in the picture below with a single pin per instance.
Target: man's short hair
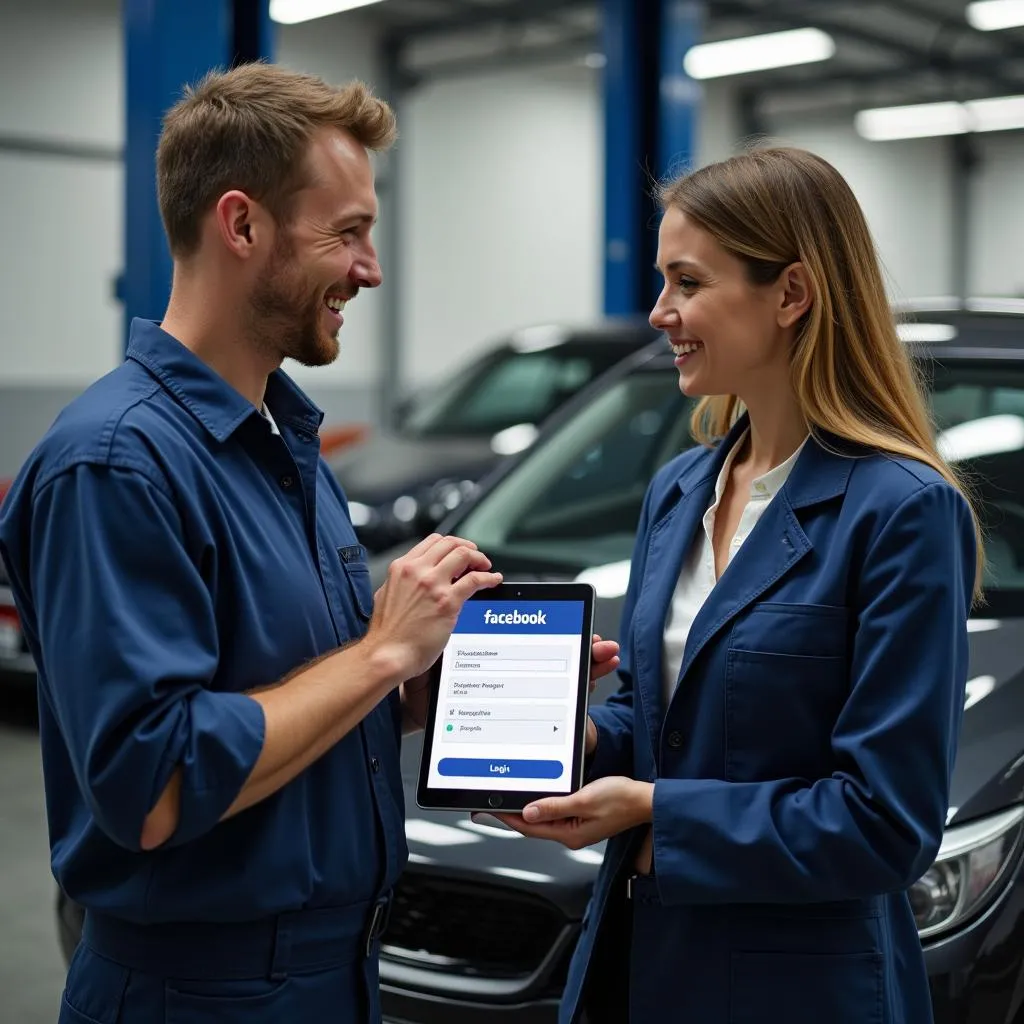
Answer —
(249, 129)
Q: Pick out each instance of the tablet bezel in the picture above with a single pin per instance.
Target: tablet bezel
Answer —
(514, 800)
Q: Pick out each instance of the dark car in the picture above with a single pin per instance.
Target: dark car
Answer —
(484, 921)
(402, 483)
(17, 670)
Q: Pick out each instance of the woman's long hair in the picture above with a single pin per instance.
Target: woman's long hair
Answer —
(852, 376)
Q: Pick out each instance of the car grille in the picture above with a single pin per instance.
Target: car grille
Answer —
(467, 928)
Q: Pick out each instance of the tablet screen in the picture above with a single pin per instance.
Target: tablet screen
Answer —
(508, 702)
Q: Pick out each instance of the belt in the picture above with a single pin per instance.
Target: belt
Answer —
(301, 941)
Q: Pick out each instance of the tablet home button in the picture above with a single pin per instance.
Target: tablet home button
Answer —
(494, 800)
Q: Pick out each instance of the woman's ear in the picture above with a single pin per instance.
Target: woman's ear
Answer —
(797, 294)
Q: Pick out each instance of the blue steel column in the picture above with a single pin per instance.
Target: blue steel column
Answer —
(168, 44)
(679, 95)
(651, 109)
(624, 148)
(679, 98)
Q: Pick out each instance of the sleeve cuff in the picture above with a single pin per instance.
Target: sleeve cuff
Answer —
(228, 730)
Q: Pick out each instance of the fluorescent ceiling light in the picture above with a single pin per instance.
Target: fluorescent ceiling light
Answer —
(924, 120)
(915, 122)
(758, 53)
(998, 114)
(992, 15)
(291, 12)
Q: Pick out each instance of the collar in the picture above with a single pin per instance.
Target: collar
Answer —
(820, 468)
(763, 487)
(206, 395)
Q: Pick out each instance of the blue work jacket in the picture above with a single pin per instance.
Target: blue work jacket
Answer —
(168, 552)
(801, 769)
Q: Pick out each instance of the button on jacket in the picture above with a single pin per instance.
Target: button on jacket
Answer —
(801, 768)
(168, 551)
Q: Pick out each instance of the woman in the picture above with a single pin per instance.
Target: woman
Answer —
(774, 771)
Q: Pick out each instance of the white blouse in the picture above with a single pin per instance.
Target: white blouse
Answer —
(697, 579)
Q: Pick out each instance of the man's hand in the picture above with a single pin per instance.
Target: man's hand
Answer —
(416, 609)
(416, 701)
(598, 811)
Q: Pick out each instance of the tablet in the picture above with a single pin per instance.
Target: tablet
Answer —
(507, 717)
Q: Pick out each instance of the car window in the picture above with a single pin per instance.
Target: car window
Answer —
(979, 419)
(507, 389)
(579, 501)
(574, 501)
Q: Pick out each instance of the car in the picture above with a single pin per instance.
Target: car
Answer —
(17, 670)
(401, 482)
(484, 922)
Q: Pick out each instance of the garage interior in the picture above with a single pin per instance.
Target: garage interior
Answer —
(517, 198)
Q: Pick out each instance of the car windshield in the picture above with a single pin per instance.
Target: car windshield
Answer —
(572, 504)
(506, 389)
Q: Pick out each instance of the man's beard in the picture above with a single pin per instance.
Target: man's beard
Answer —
(286, 317)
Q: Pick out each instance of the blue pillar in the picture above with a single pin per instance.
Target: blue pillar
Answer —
(651, 108)
(679, 95)
(169, 44)
(623, 145)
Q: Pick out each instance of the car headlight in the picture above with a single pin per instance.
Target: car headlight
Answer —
(972, 862)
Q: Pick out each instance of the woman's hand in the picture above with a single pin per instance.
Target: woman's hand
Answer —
(598, 811)
(604, 659)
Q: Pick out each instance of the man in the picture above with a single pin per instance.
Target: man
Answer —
(221, 697)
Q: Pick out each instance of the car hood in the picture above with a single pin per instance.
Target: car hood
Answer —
(988, 775)
(386, 466)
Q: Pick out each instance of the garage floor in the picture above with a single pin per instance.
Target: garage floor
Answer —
(31, 969)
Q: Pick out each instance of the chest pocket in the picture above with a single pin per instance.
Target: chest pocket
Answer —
(787, 678)
(358, 592)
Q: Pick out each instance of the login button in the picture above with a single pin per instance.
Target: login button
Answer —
(498, 768)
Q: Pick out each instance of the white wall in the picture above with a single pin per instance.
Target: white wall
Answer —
(502, 218)
(905, 190)
(60, 219)
(502, 177)
(340, 49)
(997, 235)
(718, 125)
